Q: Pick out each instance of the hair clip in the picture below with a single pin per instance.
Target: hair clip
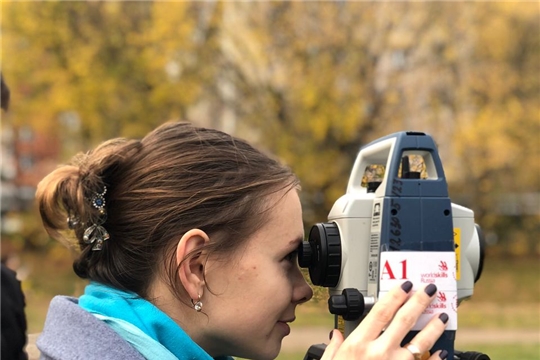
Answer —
(98, 200)
(72, 221)
(96, 234)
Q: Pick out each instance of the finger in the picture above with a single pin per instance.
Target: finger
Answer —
(439, 355)
(382, 313)
(333, 346)
(408, 315)
(426, 338)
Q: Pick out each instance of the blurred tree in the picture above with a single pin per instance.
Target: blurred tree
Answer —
(322, 79)
(87, 71)
(499, 122)
(305, 76)
(120, 68)
(311, 81)
(498, 132)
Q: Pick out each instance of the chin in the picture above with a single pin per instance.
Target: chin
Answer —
(267, 356)
(269, 353)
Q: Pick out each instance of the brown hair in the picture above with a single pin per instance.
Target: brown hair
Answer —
(177, 178)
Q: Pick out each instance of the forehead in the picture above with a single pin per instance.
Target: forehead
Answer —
(283, 221)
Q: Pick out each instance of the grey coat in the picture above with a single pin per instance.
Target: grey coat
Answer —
(71, 333)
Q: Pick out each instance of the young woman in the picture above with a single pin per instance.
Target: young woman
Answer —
(189, 239)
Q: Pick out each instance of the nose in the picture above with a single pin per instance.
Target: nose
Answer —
(302, 291)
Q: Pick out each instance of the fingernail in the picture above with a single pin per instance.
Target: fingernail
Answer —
(406, 286)
(430, 289)
(331, 334)
(444, 318)
(443, 354)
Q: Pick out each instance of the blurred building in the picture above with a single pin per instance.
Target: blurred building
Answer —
(27, 156)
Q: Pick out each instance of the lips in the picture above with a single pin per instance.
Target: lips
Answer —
(285, 327)
(288, 321)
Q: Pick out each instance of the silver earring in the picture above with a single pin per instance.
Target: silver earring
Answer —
(197, 305)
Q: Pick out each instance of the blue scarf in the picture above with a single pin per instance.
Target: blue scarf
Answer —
(154, 334)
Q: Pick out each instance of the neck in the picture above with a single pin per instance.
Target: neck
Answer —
(179, 310)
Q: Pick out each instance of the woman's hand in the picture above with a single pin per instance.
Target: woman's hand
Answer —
(396, 314)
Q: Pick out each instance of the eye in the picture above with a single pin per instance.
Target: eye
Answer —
(291, 257)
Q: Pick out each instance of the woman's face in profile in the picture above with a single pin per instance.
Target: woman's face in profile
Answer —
(254, 293)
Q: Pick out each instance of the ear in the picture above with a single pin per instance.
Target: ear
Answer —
(191, 271)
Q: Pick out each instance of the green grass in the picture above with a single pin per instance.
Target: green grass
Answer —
(316, 315)
(508, 351)
(502, 316)
(509, 281)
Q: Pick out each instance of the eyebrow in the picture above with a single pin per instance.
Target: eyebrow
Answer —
(297, 241)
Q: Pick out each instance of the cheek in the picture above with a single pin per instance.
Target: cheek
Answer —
(247, 282)
(248, 273)
(245, 277)
(260, 281)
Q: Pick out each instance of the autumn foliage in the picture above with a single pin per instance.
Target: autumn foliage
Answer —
(310, 81)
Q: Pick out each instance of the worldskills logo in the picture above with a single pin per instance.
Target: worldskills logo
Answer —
(440, 273)
(443, 266)
(441, 301)
(441, 296)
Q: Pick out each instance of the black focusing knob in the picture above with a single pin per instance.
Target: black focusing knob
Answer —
(321, 254)
(305, 255)
(350, 304)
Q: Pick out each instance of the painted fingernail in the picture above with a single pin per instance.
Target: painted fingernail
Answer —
(331, 334)
(430, 289)
(443, 354)
(444, 318)
(406, 286)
